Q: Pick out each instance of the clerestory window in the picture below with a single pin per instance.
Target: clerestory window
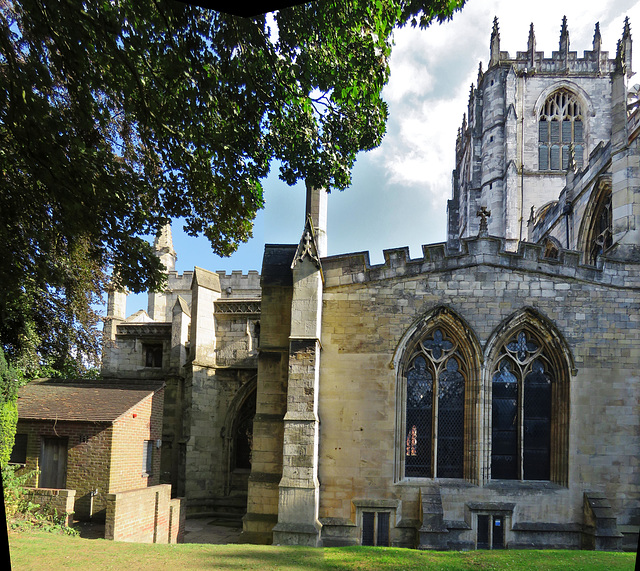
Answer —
(560, 130)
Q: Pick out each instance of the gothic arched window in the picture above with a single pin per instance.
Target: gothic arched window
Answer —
(560, 126)
(600, 234)
(436, 375)
(521, 410)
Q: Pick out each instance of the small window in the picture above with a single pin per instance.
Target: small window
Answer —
(375, 528)
(19, 451)
(147, 457)
(153, 356)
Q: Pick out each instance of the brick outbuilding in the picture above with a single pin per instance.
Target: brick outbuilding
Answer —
(91, 437)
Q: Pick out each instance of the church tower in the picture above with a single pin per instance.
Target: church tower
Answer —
(527, 116)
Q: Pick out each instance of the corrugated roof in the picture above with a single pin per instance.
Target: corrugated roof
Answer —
(93, 401)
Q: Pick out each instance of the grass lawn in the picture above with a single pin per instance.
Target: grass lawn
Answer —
(41, 551)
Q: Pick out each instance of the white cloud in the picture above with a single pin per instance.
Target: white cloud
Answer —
(432, 70)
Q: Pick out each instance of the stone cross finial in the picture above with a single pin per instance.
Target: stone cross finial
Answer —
(483, 214)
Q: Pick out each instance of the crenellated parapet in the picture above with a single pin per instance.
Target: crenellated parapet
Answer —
(563, 61)
(237, 285)
(490, 251)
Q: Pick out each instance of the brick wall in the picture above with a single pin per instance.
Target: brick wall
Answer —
(88, 449)
(130, 431)
(146, 515)
(61, 501)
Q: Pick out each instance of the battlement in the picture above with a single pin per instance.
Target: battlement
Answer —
(593, 62)
(488, 251)
(564, 61)
(239, 285)
(176, 281)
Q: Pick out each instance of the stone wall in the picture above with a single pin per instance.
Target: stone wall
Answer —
(367, 314)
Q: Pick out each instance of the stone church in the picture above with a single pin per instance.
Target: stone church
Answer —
(484, 395)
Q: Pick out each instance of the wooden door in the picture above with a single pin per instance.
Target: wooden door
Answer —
(53, 463)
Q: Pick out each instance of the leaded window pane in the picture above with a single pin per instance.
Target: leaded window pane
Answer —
(504, 451)
(543, 131)
(554, 132)
(368, 526)
(577, 131)
(419, 419)
(450, 421)
(543, 157)
(537, 423)
(555, 158)
(383, 529)
(521, 411)
(566, 131)
(579, 153)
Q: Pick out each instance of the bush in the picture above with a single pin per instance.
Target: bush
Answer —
(8, 409)
(22, 513)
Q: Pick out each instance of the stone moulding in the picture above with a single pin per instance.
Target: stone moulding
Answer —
(139, 330)
(238, 307)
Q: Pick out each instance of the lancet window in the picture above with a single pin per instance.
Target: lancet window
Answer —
(600, 236)
(436, 375)
(522, 407)
(560, 129)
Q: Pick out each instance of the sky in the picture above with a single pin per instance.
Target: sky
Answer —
(400, 190)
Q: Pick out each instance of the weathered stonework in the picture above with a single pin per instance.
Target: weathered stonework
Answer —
(537, 285)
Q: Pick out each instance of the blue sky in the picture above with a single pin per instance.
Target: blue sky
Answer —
(399, 191)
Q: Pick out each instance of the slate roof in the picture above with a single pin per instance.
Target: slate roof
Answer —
(89, 401)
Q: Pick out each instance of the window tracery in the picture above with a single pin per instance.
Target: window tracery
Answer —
(434, 421)
(560, 128)
(601, 237)
(521, 386)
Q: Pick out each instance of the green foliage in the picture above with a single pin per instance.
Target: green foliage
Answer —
(15, 499)
(10, 380)
(117, 115)
(24, 515)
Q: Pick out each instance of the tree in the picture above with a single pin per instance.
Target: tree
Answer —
(117, 116)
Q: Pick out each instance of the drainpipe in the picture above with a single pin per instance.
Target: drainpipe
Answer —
(92, 494)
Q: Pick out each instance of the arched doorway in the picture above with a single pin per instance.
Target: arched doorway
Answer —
(243, 434)
(238, 439)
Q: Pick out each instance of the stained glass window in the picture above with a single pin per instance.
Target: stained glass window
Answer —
(434, 427)
(521, 410)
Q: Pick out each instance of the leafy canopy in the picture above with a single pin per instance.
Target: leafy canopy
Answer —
(117, 116)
